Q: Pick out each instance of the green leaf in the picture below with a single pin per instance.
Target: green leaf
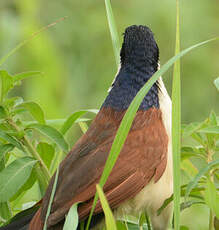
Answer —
(210, 129)
(3, 113)
(5, 212)
(51, 198)
(216, 82)
(52, 133)
(6, 81)
(109, 218)
(35, 110)
(13, 101)
(14, 176)
(46, 152)
(11, 140)
(129, 117)
(189, 203)
(201, 173)
(72, 119)
(5, 149)
(213, 118)
(71, 220)
(24, 75)
(191, 128)
(113, 31)
(212, 197)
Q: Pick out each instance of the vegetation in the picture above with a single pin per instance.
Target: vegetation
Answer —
(32, 146)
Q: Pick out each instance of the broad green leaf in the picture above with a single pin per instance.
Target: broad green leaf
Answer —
(109, 218)
(11, 140)
(129, 117)
(212, 197)
(71, 220)
(52, 133)
(6, 83)
(3, 113)
(46, 152)
(216, 82)
(35, 110)
(201, 173)
(51, 198)
(72, 119)
(14, 176)
(21, 76)
(113, 31)
(211, 129)
(26, 186)
(5, 149)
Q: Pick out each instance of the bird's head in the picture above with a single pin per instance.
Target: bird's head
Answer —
(139, 48)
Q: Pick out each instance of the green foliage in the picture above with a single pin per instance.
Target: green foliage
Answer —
(71, 221)
(31, 147)
(27, 158)
(110, 221)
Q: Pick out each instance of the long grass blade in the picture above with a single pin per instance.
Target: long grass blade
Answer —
(129, 117)
(4, 58)
(176, 125)
(51, 198)
(113, 31)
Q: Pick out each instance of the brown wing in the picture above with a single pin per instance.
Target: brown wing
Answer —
(143, 156)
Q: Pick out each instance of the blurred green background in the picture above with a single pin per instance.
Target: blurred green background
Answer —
(77, 60)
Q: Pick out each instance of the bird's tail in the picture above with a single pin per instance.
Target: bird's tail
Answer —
(21, 220)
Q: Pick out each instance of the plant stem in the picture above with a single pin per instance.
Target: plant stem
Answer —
(211, 220)
(42, 167)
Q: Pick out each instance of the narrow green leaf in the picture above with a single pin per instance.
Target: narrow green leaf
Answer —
(211, 129)
(216, 82)
(11, 140)
(5, 212)
(21, 76)
(212, 197)
(5, 149)
(201, 173)
(188, 130)
(52, 133)
(109, 218)
(46, 152)
(51, 198)
(71, 220)
(129, 117)
(213, 118)
(83, 126)
(189, 203)
(21, 44)
(113, 31)
(14, 176)
(3, 113)
(6, 83)
(72, 119)
(176, 125)
(35, 110)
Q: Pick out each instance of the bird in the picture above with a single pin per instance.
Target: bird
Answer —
(142, 177)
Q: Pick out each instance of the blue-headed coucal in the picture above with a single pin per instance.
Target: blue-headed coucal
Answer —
(142, 176)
